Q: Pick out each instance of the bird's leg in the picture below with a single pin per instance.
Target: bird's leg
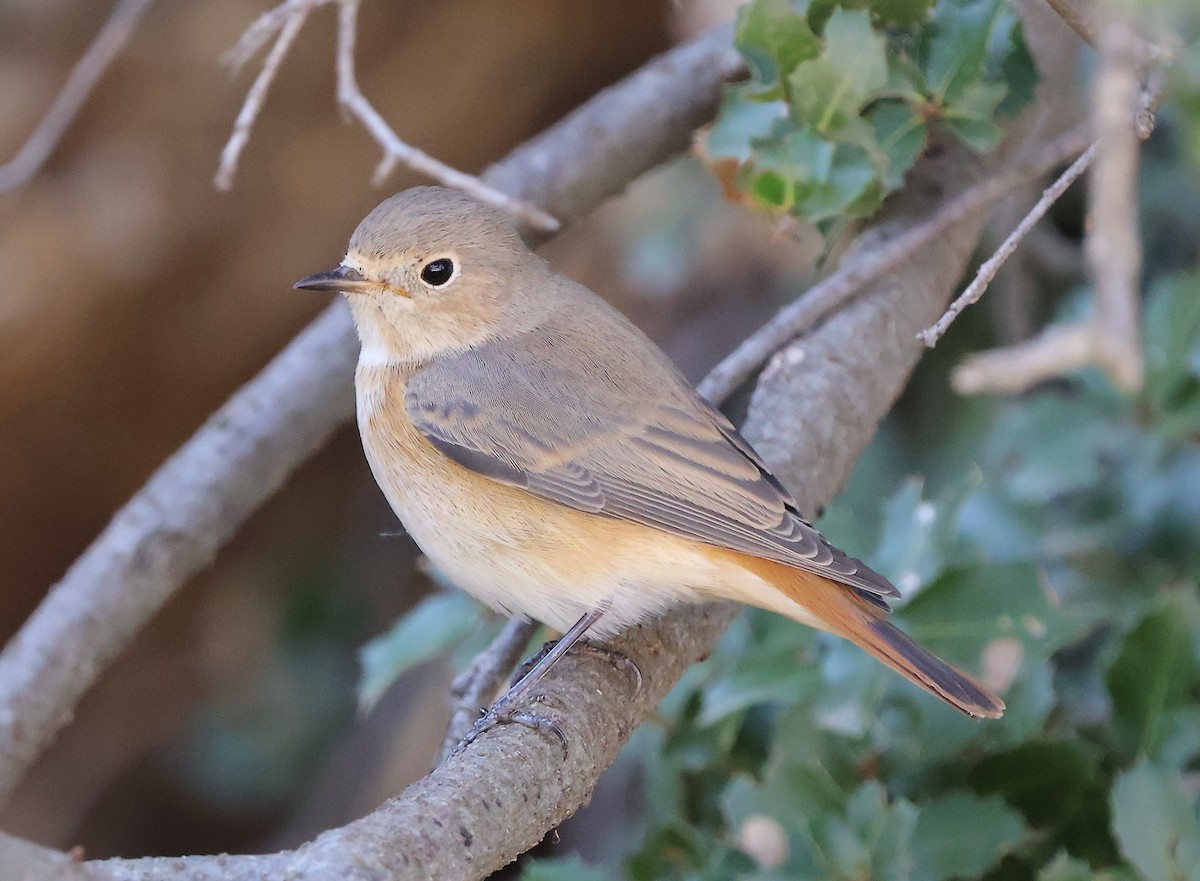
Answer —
(505, 709)
(620, 660)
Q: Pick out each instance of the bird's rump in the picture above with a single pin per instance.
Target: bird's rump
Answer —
(565, 430)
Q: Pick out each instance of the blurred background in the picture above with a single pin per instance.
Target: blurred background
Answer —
(136, 298)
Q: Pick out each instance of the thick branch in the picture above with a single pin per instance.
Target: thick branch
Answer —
(173, 526)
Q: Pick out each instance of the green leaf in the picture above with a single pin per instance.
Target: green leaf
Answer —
(1154, 822)
(954, 50)
(1060, 789)
(1172, 350)
(919, 537)
(901, 135)
(774, 38)
(431, 627)
(830, 90)
(873, 838)
(570, 868)
(741, 122)
(901, 13)
(1064, 868)
(1157, 671)
(960, 835)
(969, 115)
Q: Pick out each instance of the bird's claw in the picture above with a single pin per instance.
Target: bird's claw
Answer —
(503, 715)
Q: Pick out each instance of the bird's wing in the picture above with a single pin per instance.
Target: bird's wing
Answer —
(612, 439)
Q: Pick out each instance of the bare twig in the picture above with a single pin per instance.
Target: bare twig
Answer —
(987, 271)
(289, 29)
(286, 21)
(174, 525)
(1114, 249)
(476, 687)
(87, 72)
(1109, 338)
(826, 296)
(1013, 369)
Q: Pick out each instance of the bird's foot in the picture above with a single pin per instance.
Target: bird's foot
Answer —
(504, 712)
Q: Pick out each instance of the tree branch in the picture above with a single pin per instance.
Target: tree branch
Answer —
(87, 72)
(1110, 337)
(173, 527)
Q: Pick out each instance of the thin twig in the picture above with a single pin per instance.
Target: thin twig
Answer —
(1109, 337)
(252, 106)
(1113, 246)
(286, 19)
(987, 271)
(829, 294)
(476, 687)
(87, 72)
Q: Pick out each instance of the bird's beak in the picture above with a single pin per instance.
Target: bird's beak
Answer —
(343, 278)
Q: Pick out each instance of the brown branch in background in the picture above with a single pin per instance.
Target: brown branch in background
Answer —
(1114, 248)
(988, 269)
(285, 20)
(1109, 338)
(174, 525)
(87, 72)
(831, 293)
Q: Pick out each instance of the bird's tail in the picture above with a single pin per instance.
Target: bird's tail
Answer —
(840, 610)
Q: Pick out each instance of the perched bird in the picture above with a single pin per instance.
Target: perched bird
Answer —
(550, 460)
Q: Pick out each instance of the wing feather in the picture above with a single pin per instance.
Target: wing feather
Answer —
(638, 446)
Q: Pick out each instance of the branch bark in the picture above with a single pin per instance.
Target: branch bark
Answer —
(173, 527)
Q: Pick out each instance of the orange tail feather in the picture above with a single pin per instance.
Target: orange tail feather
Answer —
(843, 612)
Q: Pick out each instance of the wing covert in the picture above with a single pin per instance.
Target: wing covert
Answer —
(599, 439)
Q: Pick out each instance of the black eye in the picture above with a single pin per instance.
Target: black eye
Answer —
(438, 272)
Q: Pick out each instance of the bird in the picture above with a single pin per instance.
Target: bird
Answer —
(548, 458)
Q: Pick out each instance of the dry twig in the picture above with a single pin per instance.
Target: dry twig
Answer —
(988, 269)
(285, 21)
(1109, 338)
(87, 72)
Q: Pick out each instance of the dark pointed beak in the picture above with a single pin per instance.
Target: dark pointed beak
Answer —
(343, 279)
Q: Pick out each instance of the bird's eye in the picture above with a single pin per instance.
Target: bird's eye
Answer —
(438, 272)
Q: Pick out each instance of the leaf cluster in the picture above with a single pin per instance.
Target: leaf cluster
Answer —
(844, 96)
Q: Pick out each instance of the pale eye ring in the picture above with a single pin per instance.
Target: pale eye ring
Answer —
(438, 272)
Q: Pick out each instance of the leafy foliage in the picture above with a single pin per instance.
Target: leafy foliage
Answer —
(843, 95)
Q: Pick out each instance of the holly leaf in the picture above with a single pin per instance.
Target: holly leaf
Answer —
(773, 38)
(830, 90)
(1154, 822)
(960, 835)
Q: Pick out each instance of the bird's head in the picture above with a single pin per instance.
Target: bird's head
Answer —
(430, 271)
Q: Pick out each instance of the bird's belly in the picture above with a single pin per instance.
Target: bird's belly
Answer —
(526, 556)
